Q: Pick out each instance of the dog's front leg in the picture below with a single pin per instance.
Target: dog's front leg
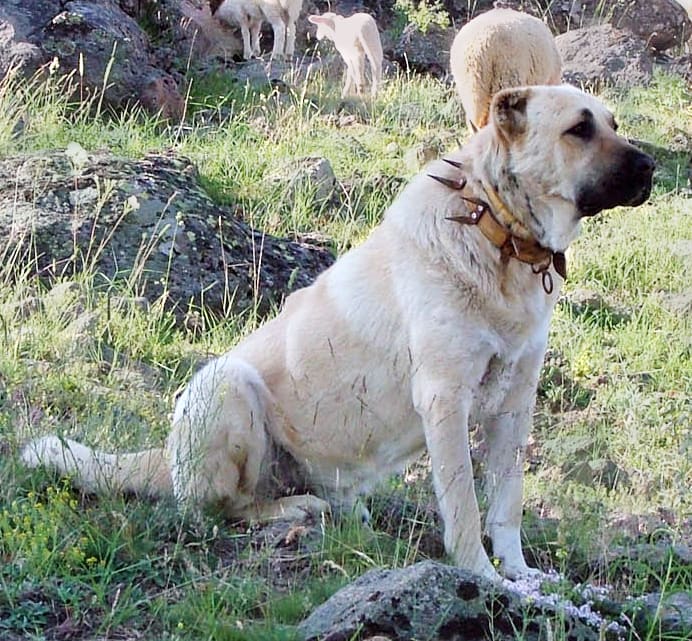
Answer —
(505, 438)
(445, 420)
(506, 435)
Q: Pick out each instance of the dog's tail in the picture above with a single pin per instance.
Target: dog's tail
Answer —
(145, 473)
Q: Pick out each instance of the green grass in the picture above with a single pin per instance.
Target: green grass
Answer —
(615, 392)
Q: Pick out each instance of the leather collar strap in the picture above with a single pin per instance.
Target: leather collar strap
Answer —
(512, 238)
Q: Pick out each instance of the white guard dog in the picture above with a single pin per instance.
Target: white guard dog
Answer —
(499, 49)
(355, 38)
(249, 14)
(439, 320)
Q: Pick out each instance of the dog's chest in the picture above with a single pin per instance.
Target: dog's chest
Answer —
(495, 385)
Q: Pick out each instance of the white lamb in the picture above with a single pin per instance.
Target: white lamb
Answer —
(355, 38)
(249, 14)
(499, 49)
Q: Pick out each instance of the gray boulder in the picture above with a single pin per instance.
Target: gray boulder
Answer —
(147, 223)
(95, 40)
(603, 55)
(661, 24)
(430, 600)
(425, 52)
(671, 614)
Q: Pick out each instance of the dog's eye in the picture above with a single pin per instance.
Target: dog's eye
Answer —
(583, 130)
(615, 126)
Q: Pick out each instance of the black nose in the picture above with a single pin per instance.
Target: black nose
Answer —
(642, 163)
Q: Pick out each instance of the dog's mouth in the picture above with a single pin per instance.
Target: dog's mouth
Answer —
(628, 185)
(588, 206)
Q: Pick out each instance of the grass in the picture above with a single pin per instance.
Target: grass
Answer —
(611, 462)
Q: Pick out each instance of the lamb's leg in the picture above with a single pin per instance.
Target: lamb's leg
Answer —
(348, 83)
(245, 31)
(255, 29)
(375, 67)
(279, 29)
(290, 38)
(359, 72)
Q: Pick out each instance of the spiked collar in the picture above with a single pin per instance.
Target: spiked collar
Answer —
(506, 232)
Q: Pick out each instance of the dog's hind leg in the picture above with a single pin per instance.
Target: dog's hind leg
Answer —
(296, 507)
(219, 442)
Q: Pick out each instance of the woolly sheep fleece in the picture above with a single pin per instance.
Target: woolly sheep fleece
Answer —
(497, 50)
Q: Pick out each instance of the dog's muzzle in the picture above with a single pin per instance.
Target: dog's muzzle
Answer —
(626, 182)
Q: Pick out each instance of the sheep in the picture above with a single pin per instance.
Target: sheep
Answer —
(249, 15)
(355, 38)
(499, 49)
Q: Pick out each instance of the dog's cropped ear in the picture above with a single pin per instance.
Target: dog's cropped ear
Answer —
(508, 111)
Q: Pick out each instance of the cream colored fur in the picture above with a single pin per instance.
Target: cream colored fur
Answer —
(687, 6)
(499, 49)
(249, 14)
(355, 38)
(405, 343)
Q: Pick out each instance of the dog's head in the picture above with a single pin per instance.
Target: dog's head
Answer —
(564, 160)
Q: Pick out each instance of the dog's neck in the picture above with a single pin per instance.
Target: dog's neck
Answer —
(505, 231)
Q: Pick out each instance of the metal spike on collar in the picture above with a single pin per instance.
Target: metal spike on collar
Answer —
(454, 163)
(448, 182)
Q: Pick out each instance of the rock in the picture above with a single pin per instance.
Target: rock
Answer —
(153, 228)
(425, 52)
(314, 177)
(99, 42)
(602, 471)
(682, 66)
(661, 24)
(603, 55)
(189, 31)
(65, 299)
(429, 600)
(15, 54)
(421, 154)
(670, 614)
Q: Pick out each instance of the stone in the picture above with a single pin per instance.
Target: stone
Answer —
(14, 54)
(429, 600)
(155, 230)
(660, 24)
(416, 157)
(670, 614)
(190, 32)
(97, 41)
(603, 55)
(425, 52)
(314, 177)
